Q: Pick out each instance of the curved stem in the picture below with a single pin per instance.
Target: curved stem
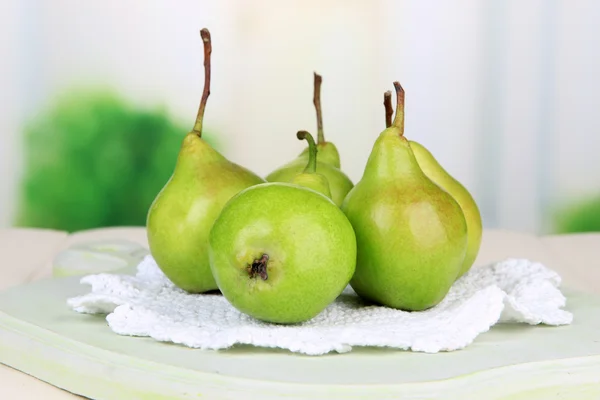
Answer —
(399, 119)
(317, 102)
(311, 167)
(205, 34)
(389, 110)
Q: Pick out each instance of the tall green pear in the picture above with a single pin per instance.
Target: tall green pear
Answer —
(411, 234)
(310, 178)
(182, 214)
(434, 171)
(329, 159)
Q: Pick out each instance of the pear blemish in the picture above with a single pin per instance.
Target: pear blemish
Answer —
(259, 268)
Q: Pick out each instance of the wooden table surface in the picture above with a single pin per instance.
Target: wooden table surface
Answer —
(27, 256)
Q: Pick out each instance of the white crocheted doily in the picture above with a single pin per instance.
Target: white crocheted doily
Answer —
(148, 304)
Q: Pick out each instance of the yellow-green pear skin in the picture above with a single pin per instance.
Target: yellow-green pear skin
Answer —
(411, 234)
(441, 177)
(339, 183)
(316, 182)
(282, 253)
(181, 216)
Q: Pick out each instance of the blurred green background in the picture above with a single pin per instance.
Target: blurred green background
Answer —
(91, 160)
(504, 93)
(580, 215)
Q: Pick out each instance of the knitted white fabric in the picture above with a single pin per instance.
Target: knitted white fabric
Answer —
(148, 304)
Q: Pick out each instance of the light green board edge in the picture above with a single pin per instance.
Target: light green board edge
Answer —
(40, 336)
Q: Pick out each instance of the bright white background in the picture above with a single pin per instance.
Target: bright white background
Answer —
(505, 94)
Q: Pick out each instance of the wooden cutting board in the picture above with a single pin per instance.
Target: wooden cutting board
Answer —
(41, 336)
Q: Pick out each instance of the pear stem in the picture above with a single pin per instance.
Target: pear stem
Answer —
(205, 34)
(389, 110)
(311, 167)
(399, 119)
(317, 102)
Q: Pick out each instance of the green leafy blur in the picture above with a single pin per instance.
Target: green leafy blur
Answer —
(94, 160)
(579, 216)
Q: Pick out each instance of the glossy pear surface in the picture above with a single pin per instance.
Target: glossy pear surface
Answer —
(282, 253)
(339, 183)
(411, 235)
(441, 177)
(181, 216)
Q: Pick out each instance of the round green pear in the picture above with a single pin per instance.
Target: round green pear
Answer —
(180, 218)
(411, 234)
(281, 253)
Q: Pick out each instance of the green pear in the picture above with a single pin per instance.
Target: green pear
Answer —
(329, 159)
(438, 174)
(434, 171)
(181, 216)
(411, 234)
(282, 253)
(309, 177)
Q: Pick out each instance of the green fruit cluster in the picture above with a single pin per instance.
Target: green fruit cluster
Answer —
(281, 249)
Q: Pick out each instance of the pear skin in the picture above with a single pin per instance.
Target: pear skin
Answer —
(339, 183)
(180, 218)
(441, 177)
(411, 234)
(182, 214)
(282, 253)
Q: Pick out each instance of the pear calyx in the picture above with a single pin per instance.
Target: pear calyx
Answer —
(311, 167)
(205, 35)
(259, 267)
(318, 79)
(399, 119)
(389, 109)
